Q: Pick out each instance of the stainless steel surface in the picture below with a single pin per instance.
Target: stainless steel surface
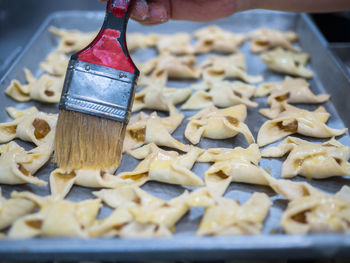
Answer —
(184, 244)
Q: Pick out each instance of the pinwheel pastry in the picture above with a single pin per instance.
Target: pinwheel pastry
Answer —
(295, 120)
(163, 166)
(263, 39)
(144, 128)
(175, 67)
(138, 40)
(72, 40)
(216, 123)
(233, 66)
(289, 62)
(177, 44)
(213, 38)
(232, 165)
(138, 214)
(221, 94)
(12, 209)
(225, 216)
(156, 96)
(312, 160)
(17, 166)
(291, 90)
(46, 88)
(56, 64)
(29, 125)
(56, 217)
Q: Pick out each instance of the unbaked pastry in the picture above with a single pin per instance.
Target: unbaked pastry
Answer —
(263, 39)
(295, 120)
(56, 217)
(163, 166)
(144, 128)
(221, 94)
(29, 125)
(312, 160)
(138, 214)
(232, 165)
(138, 40)
(72, 40)
(12, 209)
(289, 62)
(17, 166)
(225, 216)
(213, 38)
(291, 90)
(177, 44)
(216, 123)
(46, 88)
(56, 63)
(233, 66)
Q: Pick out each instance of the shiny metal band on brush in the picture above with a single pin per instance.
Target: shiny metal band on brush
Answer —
(98, 90)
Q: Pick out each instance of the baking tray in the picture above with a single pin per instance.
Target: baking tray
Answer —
(184, 245)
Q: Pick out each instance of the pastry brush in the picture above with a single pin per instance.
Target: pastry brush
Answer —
(97, 97)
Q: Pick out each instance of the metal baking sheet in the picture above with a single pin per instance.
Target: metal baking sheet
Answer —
(272, 243)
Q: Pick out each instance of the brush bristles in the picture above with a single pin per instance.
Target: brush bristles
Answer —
(88, 142)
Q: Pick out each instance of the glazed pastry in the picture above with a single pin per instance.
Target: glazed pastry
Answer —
(56, 64)
(232, 165)
(295, 120)
(12, 209)
(218, 124)
(29, 125)
(163, 166)
(264, 39)
(225, 216)
(17, 166)
(290, 90)
(56, 217)
(213, 38)
(177, 44)
(138, 214)
(233, 66)
(288, 62)
(311, 160)
(144, 128)
(72, 40)
(137, 41)
(46, 88)
(221, 94)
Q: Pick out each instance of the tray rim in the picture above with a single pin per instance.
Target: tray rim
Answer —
(241, 247)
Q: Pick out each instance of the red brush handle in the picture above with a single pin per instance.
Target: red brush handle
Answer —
(109, 47)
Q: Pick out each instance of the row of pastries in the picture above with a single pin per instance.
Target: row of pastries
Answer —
(222, 110)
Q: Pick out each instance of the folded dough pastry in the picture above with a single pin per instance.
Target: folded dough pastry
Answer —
(17, 166)
(216, 123)
(157, 97)
(72, 40)
(138, 40)
(46, 88)
(12, 209)
(291, 90)
(221, 94)
(177, 44)
(264, 38)
(232, 165)
(29, 125)
(225, 216)
(312, 160)
(163, 166)
(233, 66)
(214, 38)
(295, 120)
(138, 214)
(56, 217)
(289, 62)
(144, 128)
(56, 63)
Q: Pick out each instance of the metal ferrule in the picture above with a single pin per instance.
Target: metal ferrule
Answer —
(98, 90)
